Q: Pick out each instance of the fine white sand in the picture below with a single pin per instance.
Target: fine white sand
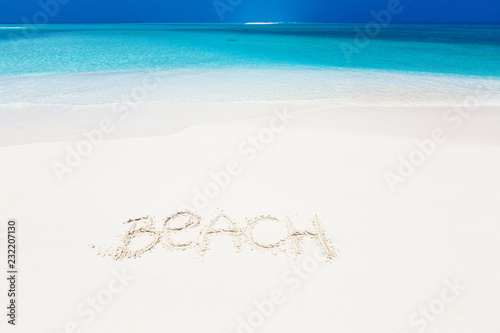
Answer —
(396, 248)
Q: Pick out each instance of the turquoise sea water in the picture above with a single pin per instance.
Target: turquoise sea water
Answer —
(449, 49)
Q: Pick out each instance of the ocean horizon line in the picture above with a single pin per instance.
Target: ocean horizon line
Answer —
(245, 23)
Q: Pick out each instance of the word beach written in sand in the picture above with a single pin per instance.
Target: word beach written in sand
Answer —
(185, 230)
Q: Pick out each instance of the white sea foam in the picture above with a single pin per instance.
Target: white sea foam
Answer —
(341, 87)
(61, 107)
(250, 23)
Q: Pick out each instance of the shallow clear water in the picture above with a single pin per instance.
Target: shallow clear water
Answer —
(449, 49)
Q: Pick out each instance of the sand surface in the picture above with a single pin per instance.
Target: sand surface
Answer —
(397, 246)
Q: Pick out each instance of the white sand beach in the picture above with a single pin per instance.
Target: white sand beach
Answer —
(403, 177)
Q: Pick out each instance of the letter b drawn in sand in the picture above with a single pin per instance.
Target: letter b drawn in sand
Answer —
(146, 229)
